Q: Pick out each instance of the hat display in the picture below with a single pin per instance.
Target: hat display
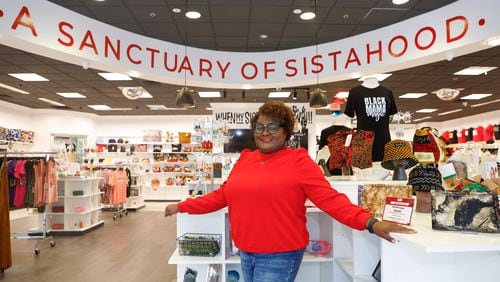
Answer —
(398, 150)
(425, 178)
(428, 147)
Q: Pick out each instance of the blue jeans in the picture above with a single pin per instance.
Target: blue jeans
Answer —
(277, 267)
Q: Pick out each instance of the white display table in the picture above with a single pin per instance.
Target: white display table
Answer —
(432, 255)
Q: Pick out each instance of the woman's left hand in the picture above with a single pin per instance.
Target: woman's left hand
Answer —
(383, 228)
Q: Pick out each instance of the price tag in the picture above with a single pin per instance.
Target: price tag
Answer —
(348, 140)
(398, 210)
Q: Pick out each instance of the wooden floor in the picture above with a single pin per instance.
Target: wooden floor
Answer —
(133, 248)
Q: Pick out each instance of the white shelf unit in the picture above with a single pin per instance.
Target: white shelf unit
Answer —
(81, 213)
(135, 200)
(313, 268)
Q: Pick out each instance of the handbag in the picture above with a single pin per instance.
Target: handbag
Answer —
(465, 211)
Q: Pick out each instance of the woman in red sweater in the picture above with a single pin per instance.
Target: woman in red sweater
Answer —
(266, 193)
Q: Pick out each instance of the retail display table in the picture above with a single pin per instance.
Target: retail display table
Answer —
(432, 255)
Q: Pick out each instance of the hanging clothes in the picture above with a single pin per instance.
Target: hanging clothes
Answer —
(5, 246)
(20, 177)
(50, 183)
(39, 169)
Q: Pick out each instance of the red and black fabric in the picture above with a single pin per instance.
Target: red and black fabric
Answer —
(427, 147)
(488, 133)
(339, 153)
(361, 148)
(478, 134)
(453, 137)
(323, 141)
(461, 136)
(446, 137)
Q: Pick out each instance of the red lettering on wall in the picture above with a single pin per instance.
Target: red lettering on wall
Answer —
(165, 62)
(88, 41)
(153, 54)
(108, 45)
(449, 22)
(352, 58)
(370, 52)
(405, 46)
(70, 41)
(267, 68)
(334, 57)
(417, 36)
(304, 65)
(223, 69)
(289, 65)
(255, 71)
(208, 69)
(186, 65)
(317, 63)
(24, 13)
(129, 53)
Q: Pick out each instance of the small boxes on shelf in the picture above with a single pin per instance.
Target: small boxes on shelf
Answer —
(199, 244)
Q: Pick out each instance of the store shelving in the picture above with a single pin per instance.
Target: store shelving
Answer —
(80, 213)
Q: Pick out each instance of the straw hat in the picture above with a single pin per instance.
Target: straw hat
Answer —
(398, 150)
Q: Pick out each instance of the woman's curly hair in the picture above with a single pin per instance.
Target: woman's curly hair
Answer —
(277, 111)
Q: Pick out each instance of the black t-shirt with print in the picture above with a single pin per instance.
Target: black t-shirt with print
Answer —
(372, 107)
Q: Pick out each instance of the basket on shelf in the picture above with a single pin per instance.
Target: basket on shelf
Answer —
(199, 244)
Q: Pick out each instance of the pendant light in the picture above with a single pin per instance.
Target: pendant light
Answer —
(185, 96)
(318, 98)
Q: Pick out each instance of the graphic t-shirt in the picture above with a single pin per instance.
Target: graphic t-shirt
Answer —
(372, 107)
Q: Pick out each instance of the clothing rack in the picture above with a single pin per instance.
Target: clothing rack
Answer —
(118, 209)
(42, 233)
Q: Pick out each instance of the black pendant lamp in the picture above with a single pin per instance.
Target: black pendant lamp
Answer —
(318, 98)
(185, 96)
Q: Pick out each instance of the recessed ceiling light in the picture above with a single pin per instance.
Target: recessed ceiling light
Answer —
(209, 94)
(28, 76)
(424, 118)
(120, 109)
(399, 2)
(100, 107)
(279, 94)
(152, 14)
(297, 11)
(51, 102)
(426, 110)
(307, 16)
(485, 103)
(14, 89)
(379, 76)
(113, 76)
(342, 95)
(71, 95)
(475, 70)
(176, 10)
(209, 109)
(494, 41)
(263, 36)
(193, 15)
(449, 112)
(156, 107)
(412, 95)
(475, 96)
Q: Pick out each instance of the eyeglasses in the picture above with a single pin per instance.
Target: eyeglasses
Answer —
(271, 127)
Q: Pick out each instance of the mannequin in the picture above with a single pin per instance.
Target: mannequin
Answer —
(370, 82)
(372, 104)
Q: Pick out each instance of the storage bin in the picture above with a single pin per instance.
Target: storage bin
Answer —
(199, 244)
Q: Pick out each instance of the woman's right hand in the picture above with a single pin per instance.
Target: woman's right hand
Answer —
(171, 209)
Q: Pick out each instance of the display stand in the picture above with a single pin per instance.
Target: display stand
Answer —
(80, 211)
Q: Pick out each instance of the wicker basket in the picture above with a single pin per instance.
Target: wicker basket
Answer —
(199, 244)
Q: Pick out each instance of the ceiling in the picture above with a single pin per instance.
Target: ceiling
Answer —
(236, 25)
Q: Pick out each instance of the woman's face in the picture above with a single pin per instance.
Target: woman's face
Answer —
(269, 135)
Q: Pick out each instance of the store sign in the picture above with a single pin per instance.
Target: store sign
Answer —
(44, 28)
(240, 116)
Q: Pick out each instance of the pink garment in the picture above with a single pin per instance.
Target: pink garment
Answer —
(39, 169)
(20, 176)
(51, 182)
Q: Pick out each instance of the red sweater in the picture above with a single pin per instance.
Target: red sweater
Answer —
(265, 195)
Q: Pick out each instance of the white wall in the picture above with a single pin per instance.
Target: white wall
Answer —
(47, 122)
